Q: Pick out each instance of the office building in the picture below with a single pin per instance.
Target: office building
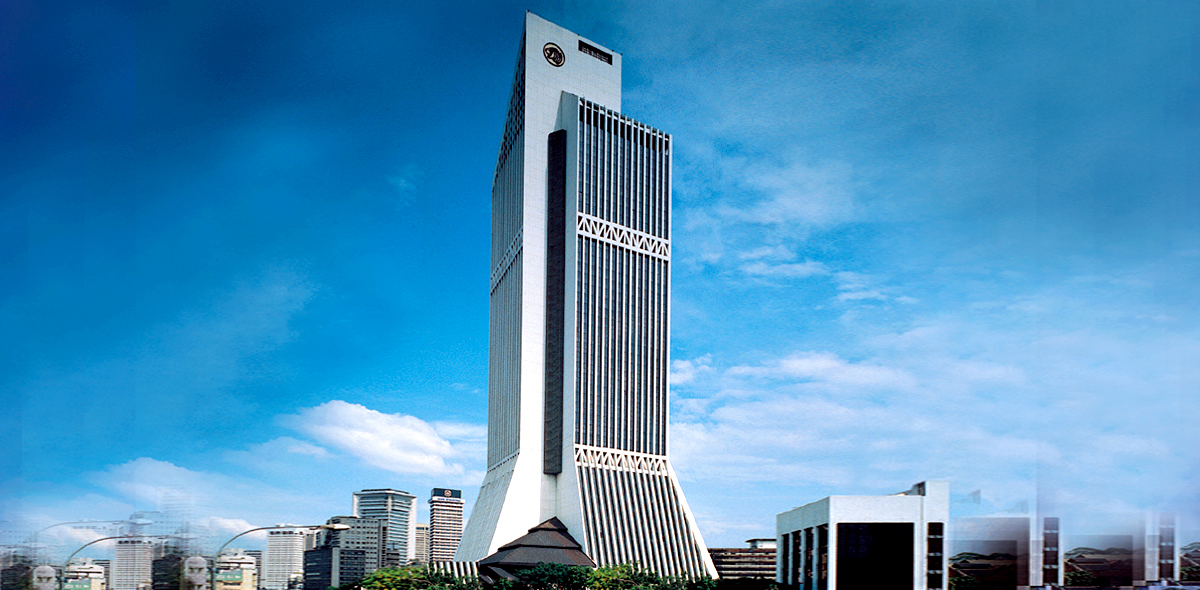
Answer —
(166, 572)
(365, 534)
(333, 566)
(133, 563)
(850, 542)
(398, 511)
(579, 322)
(285, 557)
(422, 543)
(445, 523)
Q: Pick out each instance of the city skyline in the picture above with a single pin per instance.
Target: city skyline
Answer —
(249, 257)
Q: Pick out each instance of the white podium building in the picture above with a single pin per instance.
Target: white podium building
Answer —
(579, 346)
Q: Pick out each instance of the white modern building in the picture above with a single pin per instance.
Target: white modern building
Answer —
(284, 560)
(850, 542)
(398, 510)
(579, 334)
(422, 543)
(445, 523)
(132, 565)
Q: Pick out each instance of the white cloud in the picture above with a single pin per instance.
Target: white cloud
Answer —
(828, 367)
(461, 431)
(786, 270)
(393, 442)
(768, 252)
(860, 295)
(796, 192)
(685, 371)
(227, 527)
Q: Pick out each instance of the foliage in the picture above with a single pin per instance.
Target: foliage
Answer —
(1081, 579)
(414, 578)
(626, 576)
(554, 576)
(964, 583)
(1190, 574)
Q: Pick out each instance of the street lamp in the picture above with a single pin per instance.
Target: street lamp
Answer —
(63, 577)
(212, 576)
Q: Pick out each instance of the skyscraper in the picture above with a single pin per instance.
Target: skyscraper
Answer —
(579, 333)
(133, 563)
(445, 523)
(398, 510)
(285, 557)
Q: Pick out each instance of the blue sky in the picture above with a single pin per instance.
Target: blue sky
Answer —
(246, 247)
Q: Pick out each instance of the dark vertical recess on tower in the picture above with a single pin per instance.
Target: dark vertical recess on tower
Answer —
(556, 276)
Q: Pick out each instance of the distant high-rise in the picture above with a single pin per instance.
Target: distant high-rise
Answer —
(580, 325)
(285, 557)
(332, 566)
(422, 542)
(398, 510)
(368, 535)
(133, 563)
(445, 523)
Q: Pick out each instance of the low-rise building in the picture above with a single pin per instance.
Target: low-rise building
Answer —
(756, 561)
(236, 570)
(849, 542)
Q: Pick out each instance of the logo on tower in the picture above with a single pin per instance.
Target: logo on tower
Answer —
(554, 54)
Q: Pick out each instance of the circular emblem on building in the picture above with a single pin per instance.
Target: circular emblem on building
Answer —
(446, 493)
(554, 54)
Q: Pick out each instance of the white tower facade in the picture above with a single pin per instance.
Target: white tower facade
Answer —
(445, 523)
(579, 334)
(133, 563)
(285, 557)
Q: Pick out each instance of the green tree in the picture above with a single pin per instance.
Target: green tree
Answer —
(396, 578)
(1080, 579)
(1190, 574)
(964, 583)
(626, 576)
(554, 576)
(415, 578)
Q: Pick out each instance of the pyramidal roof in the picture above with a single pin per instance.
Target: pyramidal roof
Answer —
(548, 542)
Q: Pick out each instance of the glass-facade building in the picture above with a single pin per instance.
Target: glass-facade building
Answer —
(397, 510)
(580, 331)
